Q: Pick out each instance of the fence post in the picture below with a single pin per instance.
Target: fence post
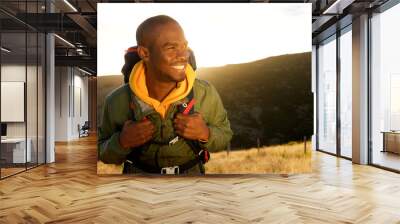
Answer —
(228, 149)
(258, 145)
(305, 144)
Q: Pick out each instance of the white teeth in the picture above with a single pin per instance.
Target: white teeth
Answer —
(178, 67)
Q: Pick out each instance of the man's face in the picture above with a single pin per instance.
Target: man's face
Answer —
(169, 54)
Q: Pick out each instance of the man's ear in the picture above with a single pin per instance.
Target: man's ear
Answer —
(143, 53)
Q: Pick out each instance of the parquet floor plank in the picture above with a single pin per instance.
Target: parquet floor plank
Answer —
(70, 191)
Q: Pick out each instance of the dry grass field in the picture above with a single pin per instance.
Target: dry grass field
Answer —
(283, 159)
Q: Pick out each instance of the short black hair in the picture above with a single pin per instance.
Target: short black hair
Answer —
(150, 24)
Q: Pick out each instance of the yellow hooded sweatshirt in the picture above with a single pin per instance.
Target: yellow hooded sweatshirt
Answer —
(137, 83)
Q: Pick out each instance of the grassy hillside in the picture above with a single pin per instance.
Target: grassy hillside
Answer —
(285, 159)
(269, 99)
(105, 85)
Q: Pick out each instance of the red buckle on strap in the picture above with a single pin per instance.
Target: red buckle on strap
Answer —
(204, 155)
(189, 107)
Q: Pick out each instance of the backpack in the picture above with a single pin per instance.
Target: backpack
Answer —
(202, 155)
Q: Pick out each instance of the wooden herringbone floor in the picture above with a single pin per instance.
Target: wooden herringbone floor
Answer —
(70, 191)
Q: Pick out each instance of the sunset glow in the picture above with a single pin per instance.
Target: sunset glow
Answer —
(219, 34)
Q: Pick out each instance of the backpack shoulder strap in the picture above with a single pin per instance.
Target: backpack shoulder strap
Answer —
(187, 107)
(202, 155)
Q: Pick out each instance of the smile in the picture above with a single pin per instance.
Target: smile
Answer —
(178, 67)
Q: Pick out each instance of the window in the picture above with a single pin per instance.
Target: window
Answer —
(346, 92)
(22, 67)
(385, 88)
(394, 102)
(327, 95)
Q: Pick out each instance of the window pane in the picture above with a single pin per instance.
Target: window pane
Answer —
(31, 96)
(327, 96)
(345, 94)
(386, 88)
(14, 153)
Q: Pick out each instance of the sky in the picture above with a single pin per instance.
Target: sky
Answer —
(219, 34)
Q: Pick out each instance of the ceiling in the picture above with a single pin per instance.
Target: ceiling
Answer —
(332, 15)
(75, 21)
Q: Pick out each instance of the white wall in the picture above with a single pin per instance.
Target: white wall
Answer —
(62, 80)
(71, 87)
(13, 73)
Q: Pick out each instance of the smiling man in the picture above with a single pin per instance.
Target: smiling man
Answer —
(164, 120)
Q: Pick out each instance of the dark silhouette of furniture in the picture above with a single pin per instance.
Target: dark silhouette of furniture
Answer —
(84, 130)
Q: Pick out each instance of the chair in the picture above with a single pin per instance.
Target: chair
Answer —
(84, 130)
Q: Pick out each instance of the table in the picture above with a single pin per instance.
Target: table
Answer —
(13, 150)
(391, 141)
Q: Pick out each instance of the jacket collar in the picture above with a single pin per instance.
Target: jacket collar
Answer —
(137, 84)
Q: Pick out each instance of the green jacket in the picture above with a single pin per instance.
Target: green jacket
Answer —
(116, 111)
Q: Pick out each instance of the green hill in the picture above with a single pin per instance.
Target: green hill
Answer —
(269, 99)
(105, 85)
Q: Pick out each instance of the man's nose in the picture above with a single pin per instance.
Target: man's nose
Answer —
(183, 54)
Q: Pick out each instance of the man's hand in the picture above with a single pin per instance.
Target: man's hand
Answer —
(191, 127)
(135, 134)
